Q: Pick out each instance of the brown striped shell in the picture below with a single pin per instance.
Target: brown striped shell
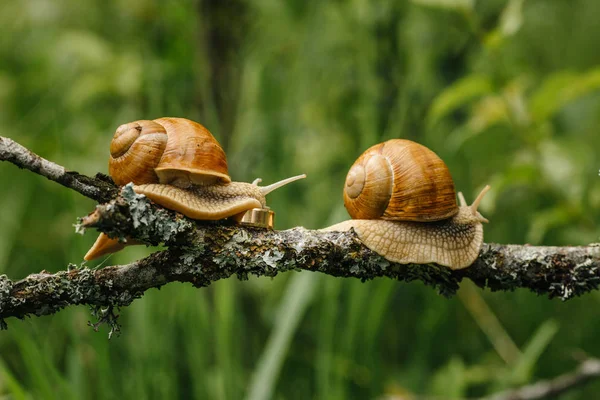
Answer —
(400, 180)
(178, 164)
(192, 156)
(167, 150)
(135, 150)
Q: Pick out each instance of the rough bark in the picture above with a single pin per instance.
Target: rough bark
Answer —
(99, 188)
(202, 252)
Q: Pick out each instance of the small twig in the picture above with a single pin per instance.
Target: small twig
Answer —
(483, 315)
(97, 189)
(585, 372)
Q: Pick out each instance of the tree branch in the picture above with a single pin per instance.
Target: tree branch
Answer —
(204, 252)
(100, 188)
(585, 372)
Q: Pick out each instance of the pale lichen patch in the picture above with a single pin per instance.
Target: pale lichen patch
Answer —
(272, 257)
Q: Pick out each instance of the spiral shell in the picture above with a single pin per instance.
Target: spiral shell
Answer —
(400, 180)
(135, 150)
(173, 151)
(178, 164)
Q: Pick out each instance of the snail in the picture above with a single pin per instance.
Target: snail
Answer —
(402, 200)
(178, 164)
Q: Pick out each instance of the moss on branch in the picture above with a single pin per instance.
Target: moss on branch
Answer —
(203, 252)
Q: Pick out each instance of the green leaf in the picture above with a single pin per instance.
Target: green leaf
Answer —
(512, 18)
(458, 95)
(543, 221)
(291, 310)
(511, 21)
(451, 380)
(523, 369)
(566, 166)
(447, 4)
(560, 89)
(17, 392)
(488, 112)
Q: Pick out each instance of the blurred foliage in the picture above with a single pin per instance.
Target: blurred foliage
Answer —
(506, 92)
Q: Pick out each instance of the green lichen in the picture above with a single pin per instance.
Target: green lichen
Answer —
(79, 228)
(189, 256)
(272, 257)
(105, 316)
(134, 215)
(152, 224)
(6, 286)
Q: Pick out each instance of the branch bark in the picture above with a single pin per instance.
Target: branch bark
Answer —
(100, 188)
(586, 371)
(203, 252)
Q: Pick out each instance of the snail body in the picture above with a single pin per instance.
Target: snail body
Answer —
(402, 200)
(178, 164)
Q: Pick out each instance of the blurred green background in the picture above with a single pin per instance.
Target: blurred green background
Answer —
(506, 92)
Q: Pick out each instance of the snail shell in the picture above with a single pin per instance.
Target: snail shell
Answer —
(173, 151)
(178, 164)
(192, 156)
(400, 180)
(136, 149)
(403, 203)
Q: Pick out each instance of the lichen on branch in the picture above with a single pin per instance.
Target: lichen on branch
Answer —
(203, 252)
